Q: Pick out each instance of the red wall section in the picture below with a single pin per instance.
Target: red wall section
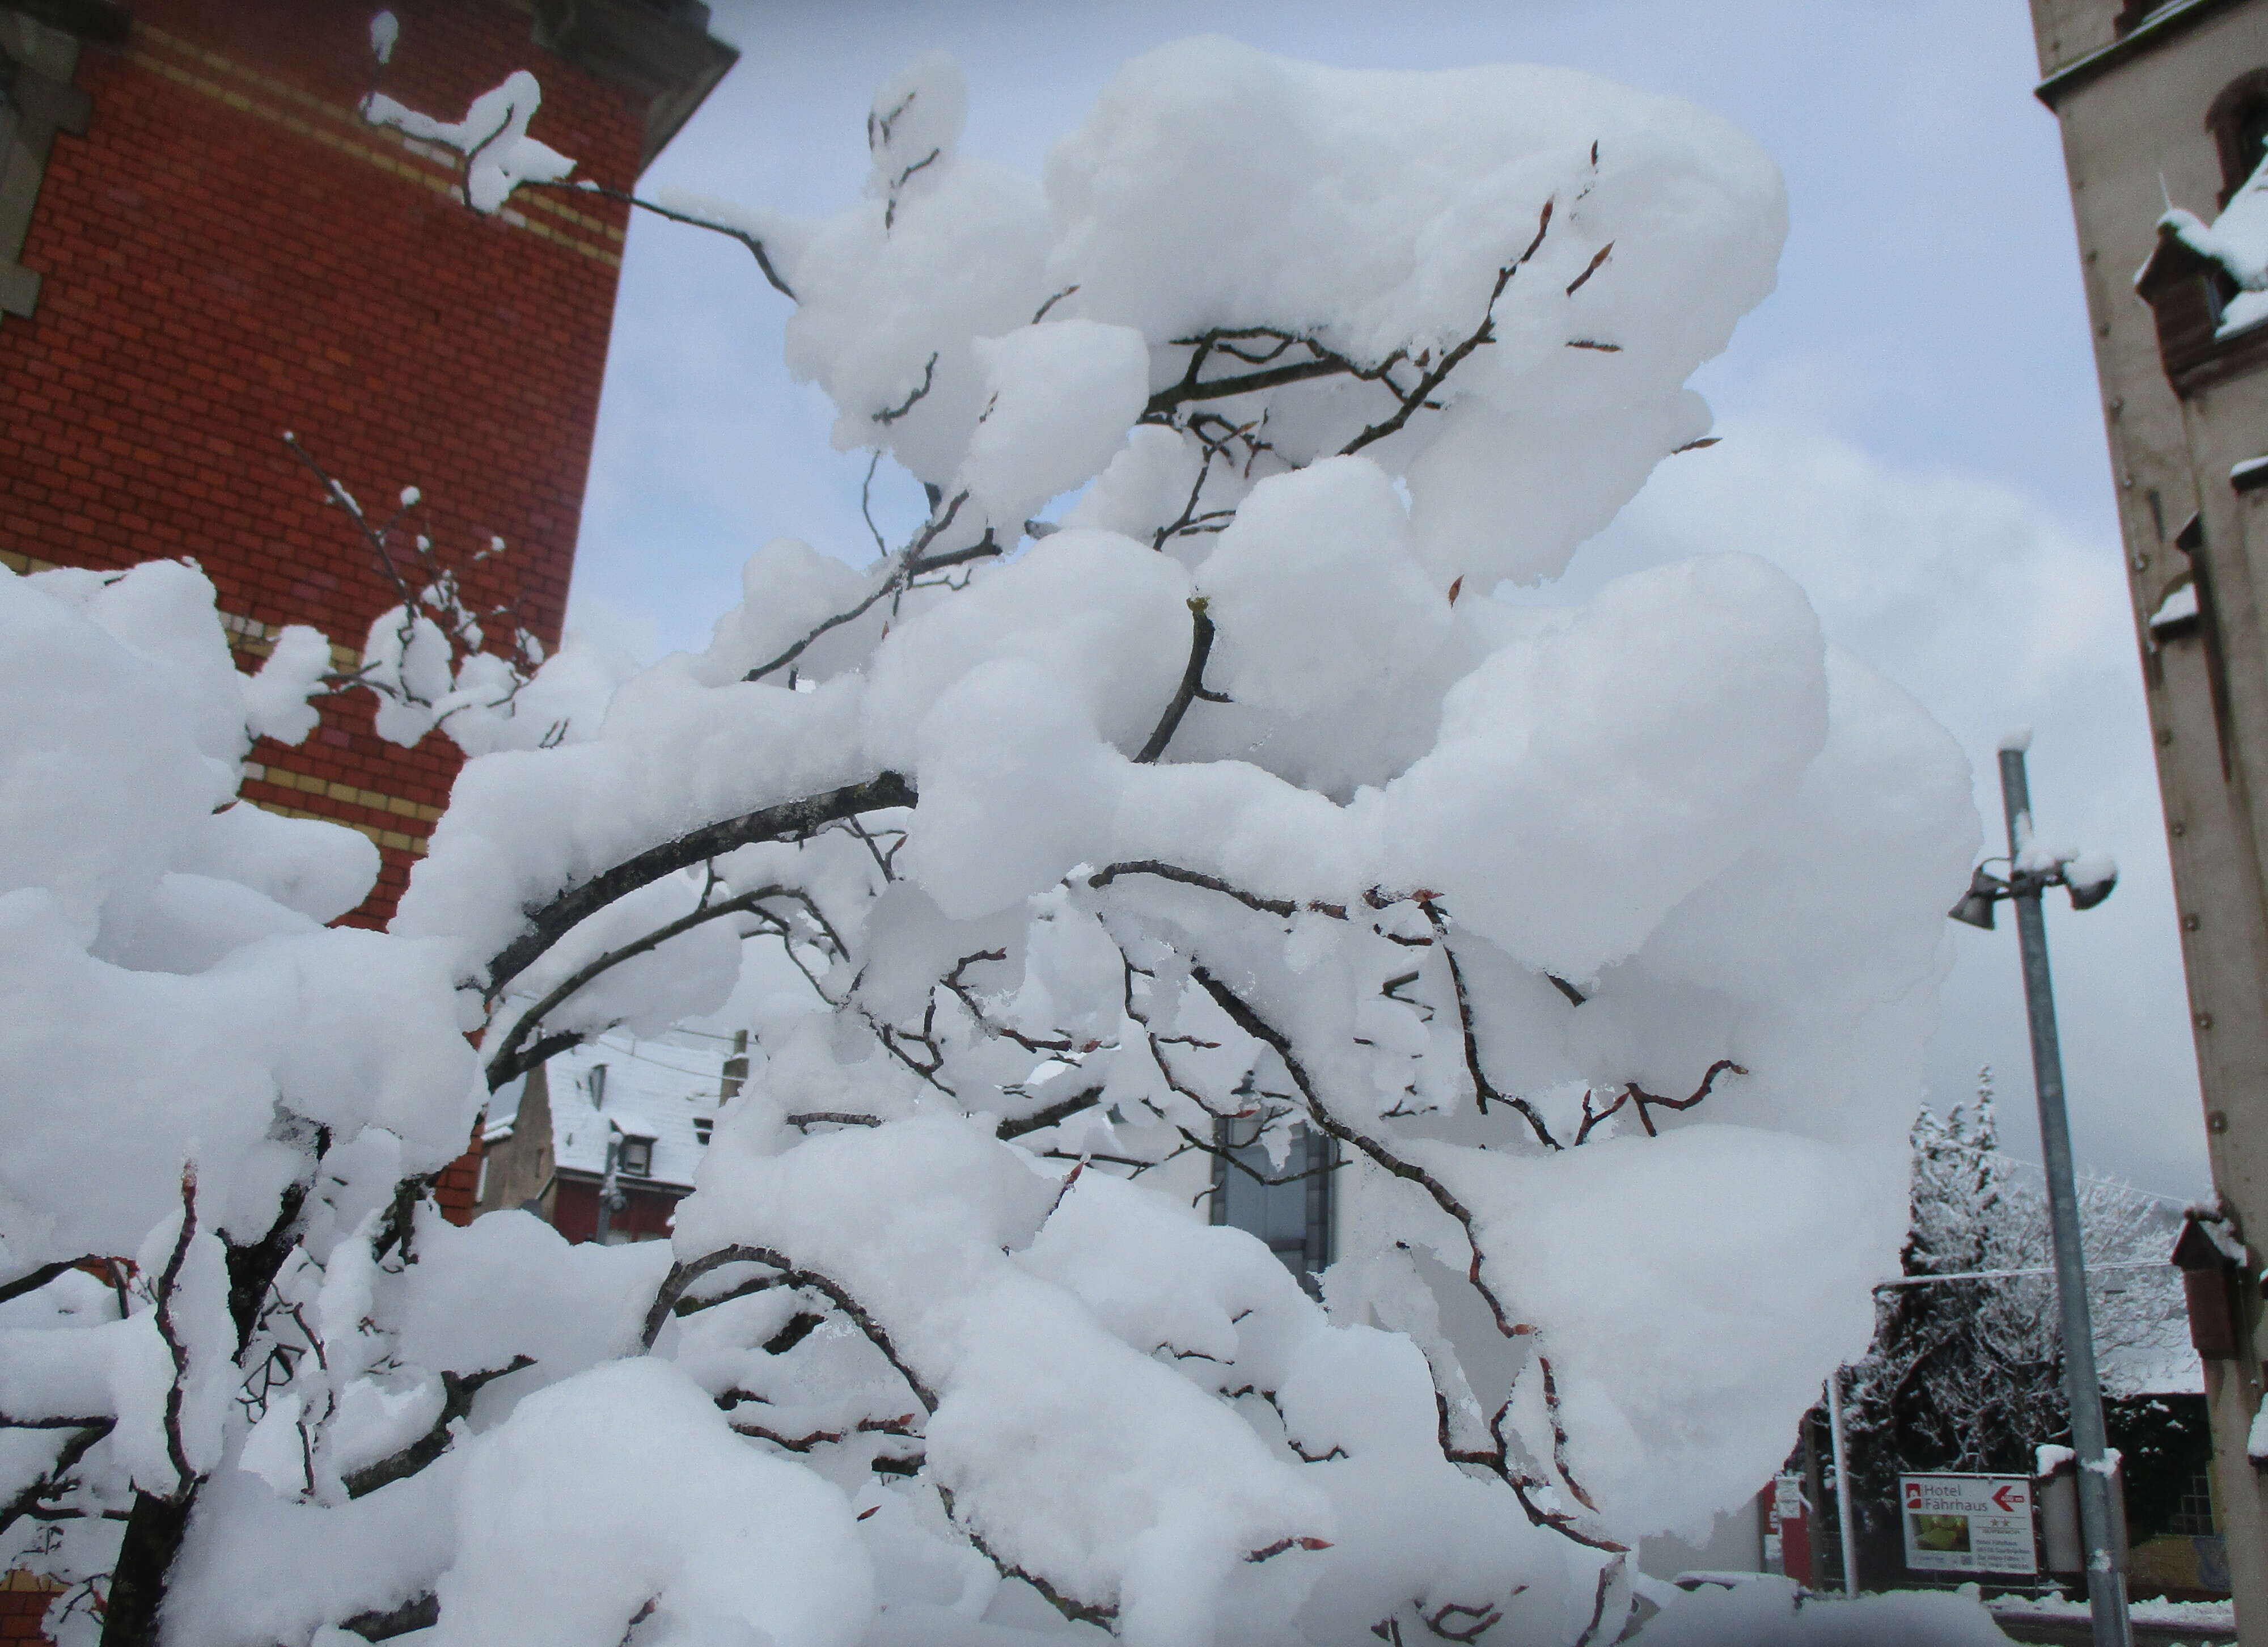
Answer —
(228, 252)
(645, 1214)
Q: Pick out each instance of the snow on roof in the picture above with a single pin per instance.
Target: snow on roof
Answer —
(2169, 1366)
(656, 1090)
(2156, 1359)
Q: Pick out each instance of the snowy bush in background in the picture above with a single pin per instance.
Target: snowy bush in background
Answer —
(1599, 942)
(1966, 1375)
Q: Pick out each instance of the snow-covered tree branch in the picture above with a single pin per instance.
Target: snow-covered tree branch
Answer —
(1229, 806)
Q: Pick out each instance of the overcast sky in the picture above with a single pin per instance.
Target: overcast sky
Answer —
(1912, 423)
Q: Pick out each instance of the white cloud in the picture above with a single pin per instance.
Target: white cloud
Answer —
(1995, 611)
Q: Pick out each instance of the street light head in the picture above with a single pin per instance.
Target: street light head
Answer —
(1975, 908)
(2090, 879)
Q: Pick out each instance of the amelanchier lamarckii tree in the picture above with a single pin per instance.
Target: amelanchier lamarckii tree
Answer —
(1598, 941)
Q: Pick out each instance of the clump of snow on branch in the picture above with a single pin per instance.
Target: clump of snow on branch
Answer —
(630, 1488)
(182, 1027)
(171, 991)
(431, 660)
(1588, 945)
(428, 667)
(1060, 399)
(492, 136)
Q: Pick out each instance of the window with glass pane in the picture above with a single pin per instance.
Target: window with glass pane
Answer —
(1287, 1204)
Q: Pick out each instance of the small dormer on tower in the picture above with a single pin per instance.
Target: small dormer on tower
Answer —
(2189, 295)
(2208, 283)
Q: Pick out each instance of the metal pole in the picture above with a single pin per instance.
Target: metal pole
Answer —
(1844, 1534)
(607, 1193)
(2106, 1581)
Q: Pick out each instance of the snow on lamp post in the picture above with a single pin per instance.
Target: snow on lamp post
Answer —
(611, 1199)
(2089, 879)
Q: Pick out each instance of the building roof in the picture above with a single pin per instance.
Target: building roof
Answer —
(2170, 1367)
(656, 1090)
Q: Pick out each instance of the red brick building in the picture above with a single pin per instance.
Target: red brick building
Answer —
(203, 246)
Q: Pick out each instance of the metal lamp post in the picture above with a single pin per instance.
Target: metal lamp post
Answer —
(1846, 1526)
(2029, 872)
(611, 1199)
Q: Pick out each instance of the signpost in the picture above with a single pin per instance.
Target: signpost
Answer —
(1787, 1531)
(1969, 1524)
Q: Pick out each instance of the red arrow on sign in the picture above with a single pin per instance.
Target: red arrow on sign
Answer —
(2001, 1497)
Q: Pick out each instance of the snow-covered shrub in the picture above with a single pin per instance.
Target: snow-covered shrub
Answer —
(1597, 942)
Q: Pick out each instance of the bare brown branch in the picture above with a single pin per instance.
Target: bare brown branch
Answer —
(1191, 687)
(457, 1391)
(548, 922)
(515, 1056)
(683, 1273)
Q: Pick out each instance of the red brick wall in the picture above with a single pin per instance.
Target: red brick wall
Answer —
(228, 252)
(23, 1602)
(644, 1213)
(454, 1191)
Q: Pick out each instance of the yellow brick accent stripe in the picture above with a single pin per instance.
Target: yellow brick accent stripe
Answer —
(372, 799)
(373, 145)
(413, 845)
(247, 634)
(352, 119)
(251, 635)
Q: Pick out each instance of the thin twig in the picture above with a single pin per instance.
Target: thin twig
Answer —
(1484, 333)
(1191, 687)
(514, 1058)
(1483, 1090)
(754, 244)
(891, 414)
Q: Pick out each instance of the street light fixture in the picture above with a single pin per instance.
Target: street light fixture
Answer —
(2089, 880)
(1975, 908)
